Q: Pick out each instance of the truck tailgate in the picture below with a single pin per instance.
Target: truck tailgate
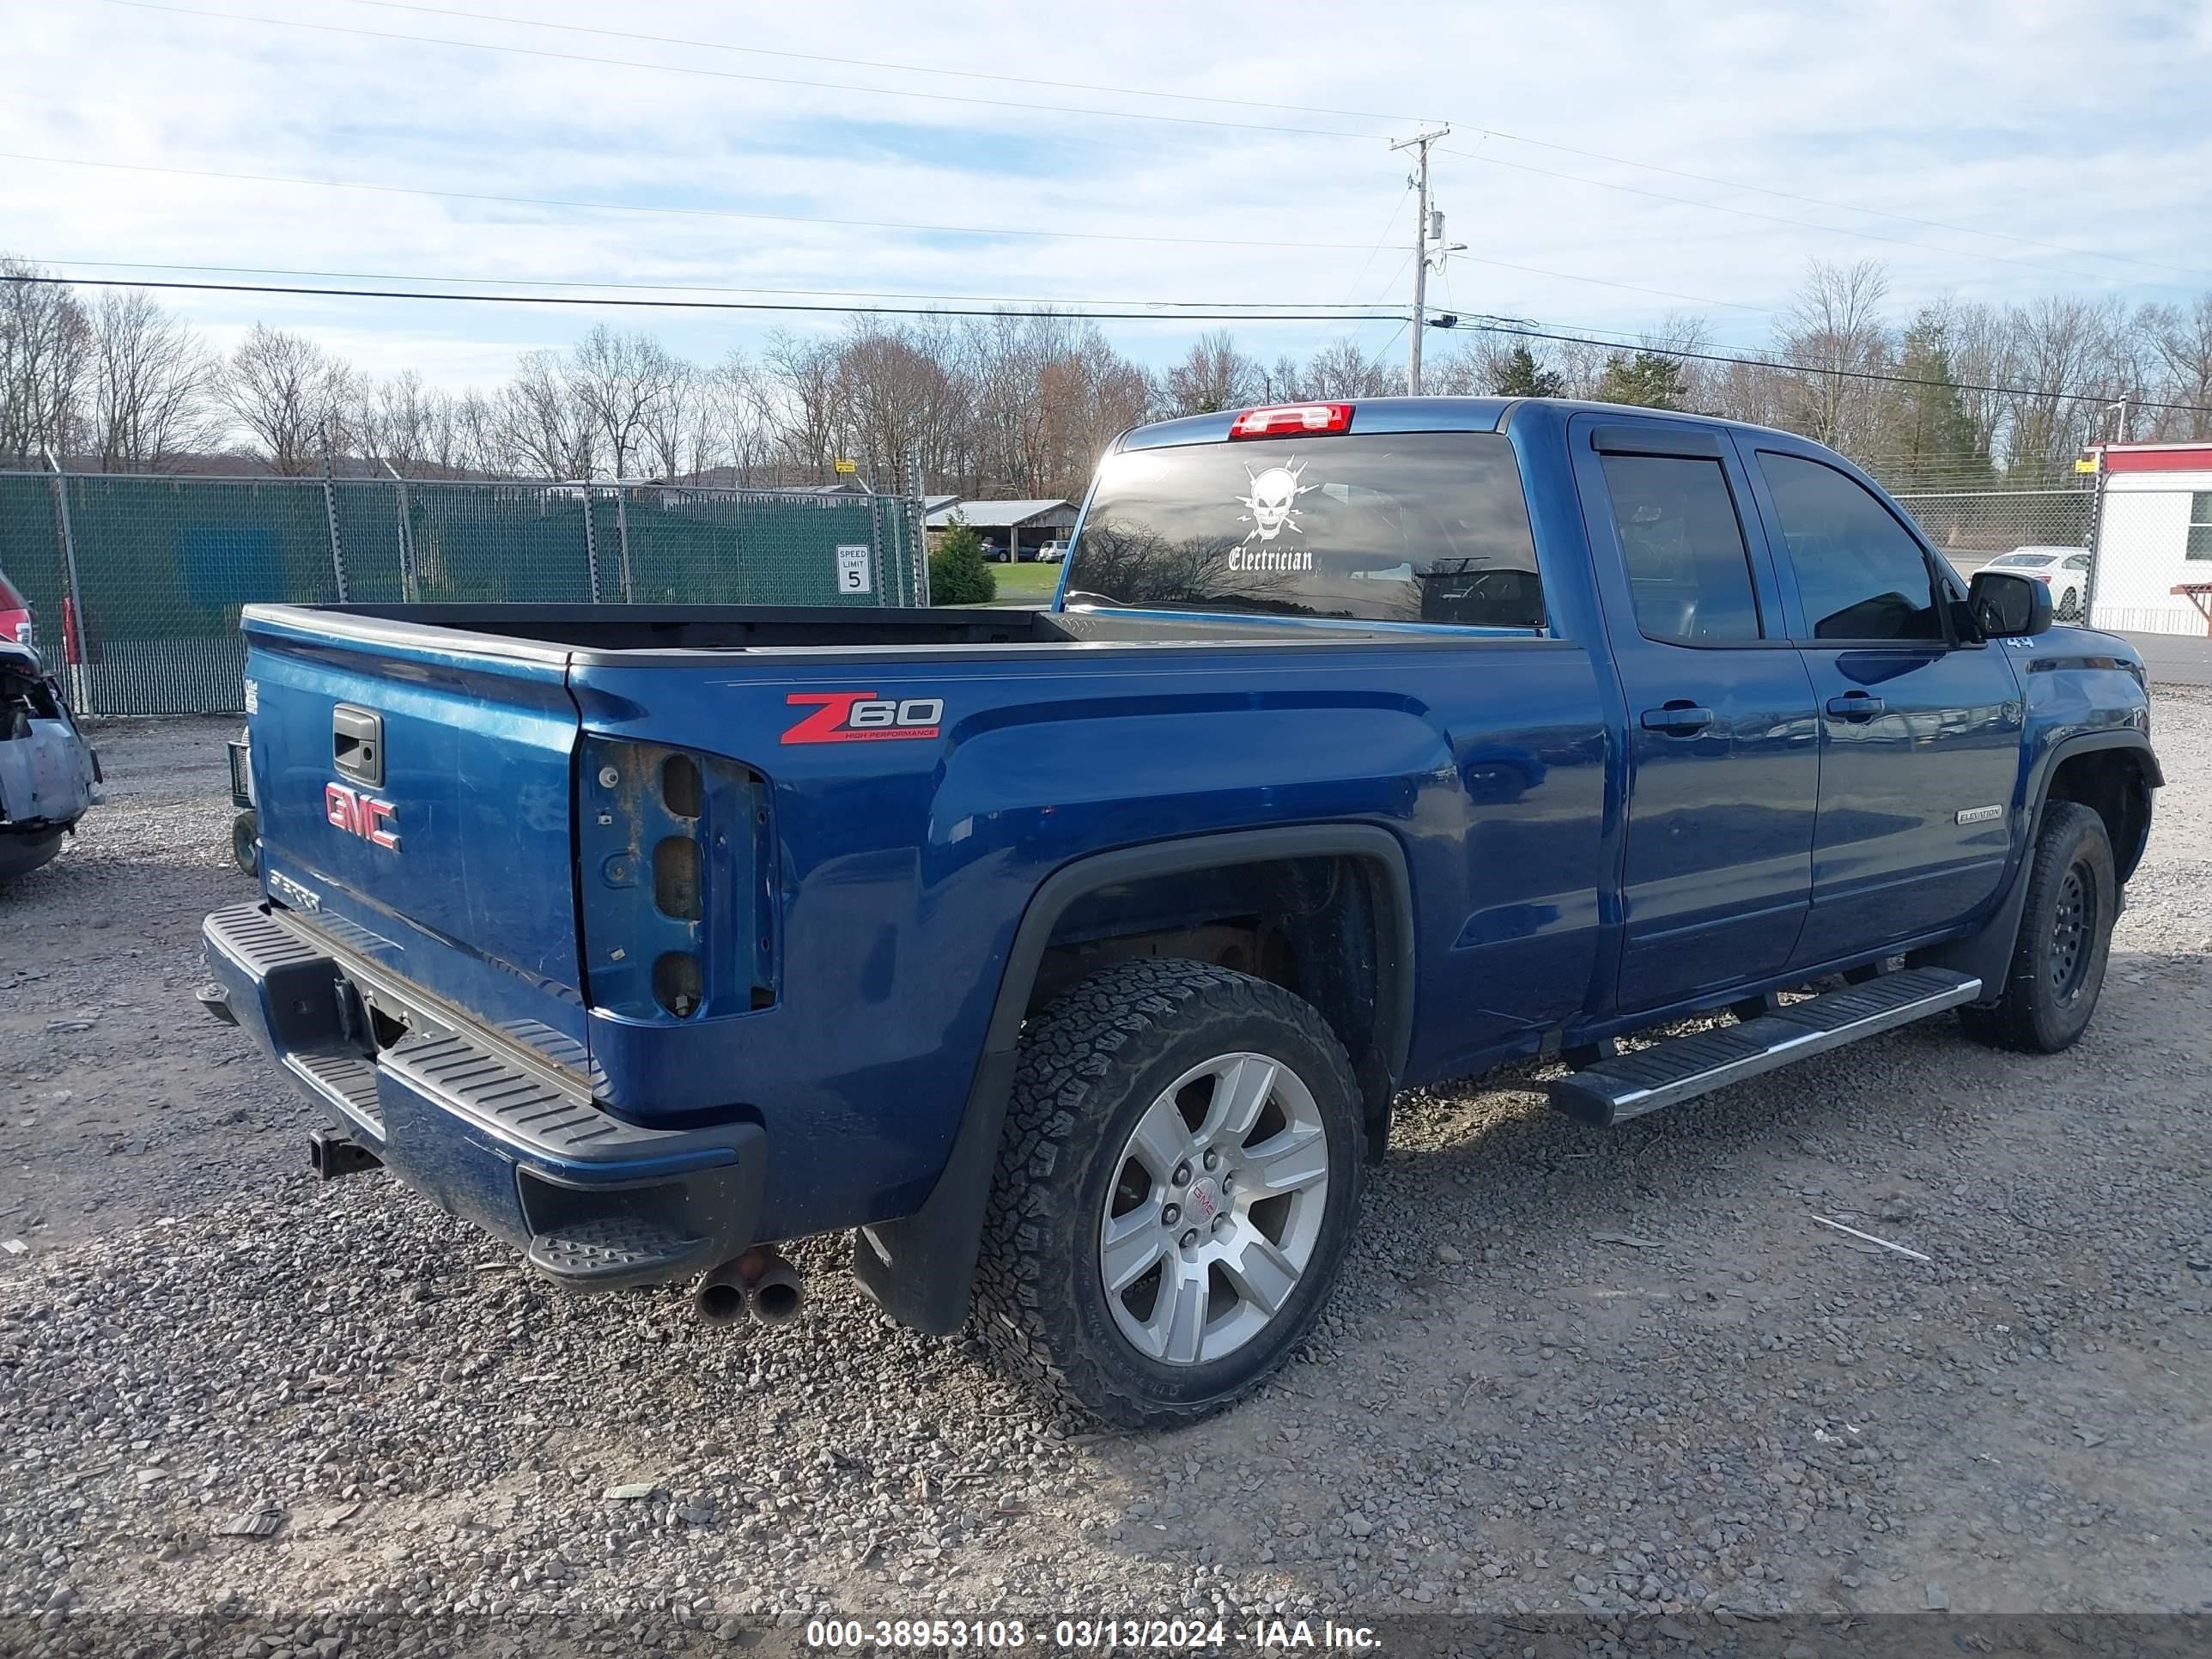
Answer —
(415, 797)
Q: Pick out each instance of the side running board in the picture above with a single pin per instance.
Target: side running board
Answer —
(1629, 1085)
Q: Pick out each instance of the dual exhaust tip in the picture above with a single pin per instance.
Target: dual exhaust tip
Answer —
(760, 1282)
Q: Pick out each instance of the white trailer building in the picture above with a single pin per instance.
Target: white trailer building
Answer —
(2155, 538)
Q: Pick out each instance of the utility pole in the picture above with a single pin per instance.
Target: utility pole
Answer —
(1420, 146)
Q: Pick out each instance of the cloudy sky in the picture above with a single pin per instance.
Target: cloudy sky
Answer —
(1610, 162)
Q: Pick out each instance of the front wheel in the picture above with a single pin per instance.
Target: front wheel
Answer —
(1176, 1190)
(2069, 606)
(2065, 937)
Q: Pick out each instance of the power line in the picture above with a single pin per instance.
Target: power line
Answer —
(2032, 392)
(1221, 316)
(701, 71)
(697, 288)
(1871, 375)
(840, 224)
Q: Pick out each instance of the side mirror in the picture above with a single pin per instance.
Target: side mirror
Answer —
(2008, 605)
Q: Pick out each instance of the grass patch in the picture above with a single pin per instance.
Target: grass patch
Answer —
(1026, 584)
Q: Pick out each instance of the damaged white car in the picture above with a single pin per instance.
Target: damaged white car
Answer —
(49, 775)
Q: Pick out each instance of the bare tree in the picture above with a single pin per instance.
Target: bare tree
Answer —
(1834, 332)
(151, 381)
(46, 350)
(902, 392)
(1473, 370)
(289, 395)
(1983, 353)
(2181, 336)
(477, 445)
(1213, 375)
(1750, 391)
(1341, 369)
(1006, 449)
(674, 440)
(2060, 343)
(735, 422)
(1088, 394)
(803, 377)
(539, 430)
(395, 421)
(618, 382)
(1686, 339)
(1284, 383)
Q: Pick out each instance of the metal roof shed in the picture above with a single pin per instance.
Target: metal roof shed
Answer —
(1041, 520)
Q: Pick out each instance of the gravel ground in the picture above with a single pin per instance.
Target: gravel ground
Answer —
(1567, 1372)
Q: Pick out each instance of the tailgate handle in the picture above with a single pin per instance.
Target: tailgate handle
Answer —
(357, 745)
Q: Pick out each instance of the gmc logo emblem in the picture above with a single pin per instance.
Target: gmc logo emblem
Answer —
(862, 716)
(360, 815)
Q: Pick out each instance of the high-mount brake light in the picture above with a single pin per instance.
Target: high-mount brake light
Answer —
(1283, 419)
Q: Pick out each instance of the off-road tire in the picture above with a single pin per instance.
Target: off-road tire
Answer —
(2035, 1014)
(1089, 1066)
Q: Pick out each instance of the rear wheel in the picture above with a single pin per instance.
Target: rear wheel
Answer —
(246, 843)
(1181, 1172)
(2065, 938)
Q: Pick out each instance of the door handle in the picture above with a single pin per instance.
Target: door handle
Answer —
(1856, 706)
(1678, 719)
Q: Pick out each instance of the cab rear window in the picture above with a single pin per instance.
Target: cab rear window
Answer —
(1405, 527)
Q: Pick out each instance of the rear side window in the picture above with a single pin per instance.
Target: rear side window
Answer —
(1860, 575)
(1407, 527)
(1683, 544)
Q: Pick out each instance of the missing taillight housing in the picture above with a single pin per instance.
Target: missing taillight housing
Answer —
(676, 877)
(677, 984)
(679, 786)
(1289, 420)
(678, 910)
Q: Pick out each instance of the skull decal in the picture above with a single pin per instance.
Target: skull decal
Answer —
(1271, 508)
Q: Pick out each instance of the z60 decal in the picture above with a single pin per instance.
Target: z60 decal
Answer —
(360, 815)
(862, 717)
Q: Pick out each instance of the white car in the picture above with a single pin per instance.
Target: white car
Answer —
(2063, 570)
(1052, 553)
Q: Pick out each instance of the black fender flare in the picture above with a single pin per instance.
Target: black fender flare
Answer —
(1987, 951)
(921, 1269)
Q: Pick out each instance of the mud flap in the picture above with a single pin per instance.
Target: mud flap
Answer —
(921, 1269)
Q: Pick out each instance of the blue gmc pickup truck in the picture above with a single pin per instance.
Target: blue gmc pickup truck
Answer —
(1072, 958)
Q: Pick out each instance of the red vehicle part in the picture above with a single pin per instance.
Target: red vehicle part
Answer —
(15, 625)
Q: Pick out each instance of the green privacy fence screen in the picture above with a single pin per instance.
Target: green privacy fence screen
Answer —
(137, 581)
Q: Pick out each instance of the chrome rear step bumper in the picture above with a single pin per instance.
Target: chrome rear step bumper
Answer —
(598, 1202)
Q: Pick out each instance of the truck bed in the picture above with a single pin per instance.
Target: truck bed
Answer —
(621, 630)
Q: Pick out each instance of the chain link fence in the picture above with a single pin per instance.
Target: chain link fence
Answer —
(2117, 551)
(137, 581)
